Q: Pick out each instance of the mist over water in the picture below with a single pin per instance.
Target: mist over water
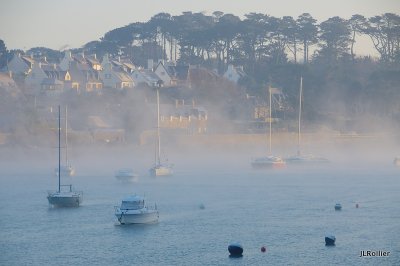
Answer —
(287, 210)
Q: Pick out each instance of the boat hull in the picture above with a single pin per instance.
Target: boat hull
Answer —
(235, 250)
(126, 175)
(137, 217)
(65, 200)
(268, 162)
(161, 171)
(305, 160)
(330, 240)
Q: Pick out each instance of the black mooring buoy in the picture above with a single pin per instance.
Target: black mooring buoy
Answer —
(235, 250)
(330, 240)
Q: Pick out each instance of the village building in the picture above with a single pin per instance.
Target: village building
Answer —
(113, 77)
(83, 78)
(190, 118)
(172, 75)
(234, 73)
(20, 64)
(144, 76)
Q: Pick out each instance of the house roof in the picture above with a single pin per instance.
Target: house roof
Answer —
(180, 72)
(123, 76)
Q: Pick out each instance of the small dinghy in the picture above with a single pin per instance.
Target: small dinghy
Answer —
(330, 240)
(235, 250)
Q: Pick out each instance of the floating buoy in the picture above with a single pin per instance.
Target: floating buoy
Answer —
(236, 250)
(357, 205)
(338, 207)
(330, 240)
(263, 249)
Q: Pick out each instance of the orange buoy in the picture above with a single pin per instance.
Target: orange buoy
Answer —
(263, 249)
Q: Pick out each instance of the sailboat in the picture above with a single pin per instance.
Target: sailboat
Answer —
(63, 198)
(299, 157)
(269, 161)
(67, 169)
(160, 168)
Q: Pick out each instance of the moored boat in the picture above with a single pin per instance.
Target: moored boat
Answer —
(268, 162)
(126, 174)
(235, 250)
(61, 198)
(133, 210)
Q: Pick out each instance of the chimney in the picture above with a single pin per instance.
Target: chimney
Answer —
(55, 66)
(83, 54)
(45, 59)
(10, 74)
(150, 64)
(95, 57)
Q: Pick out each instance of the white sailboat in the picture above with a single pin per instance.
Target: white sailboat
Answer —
(63, 198)
(269, 161)
(160, 168)
(299, 157)
(67, 169)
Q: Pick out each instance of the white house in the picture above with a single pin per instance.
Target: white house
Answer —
(234, 73)
(144, 76)
(114, 78)
(162, 72)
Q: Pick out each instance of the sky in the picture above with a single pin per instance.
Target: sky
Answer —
(58, 24)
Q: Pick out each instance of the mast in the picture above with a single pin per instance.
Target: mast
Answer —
(158, 129)
(299, 126)
(270, 121)
(59, 149)
(66, 138)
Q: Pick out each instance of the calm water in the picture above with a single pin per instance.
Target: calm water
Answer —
(288, 211)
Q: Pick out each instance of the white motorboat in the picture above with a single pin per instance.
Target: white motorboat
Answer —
(126, 174)
(160, 168)
(269, 161)
(299, 157)
(133, 210)
(61, 198)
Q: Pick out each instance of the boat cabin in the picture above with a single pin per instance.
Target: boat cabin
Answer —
(132, 203)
